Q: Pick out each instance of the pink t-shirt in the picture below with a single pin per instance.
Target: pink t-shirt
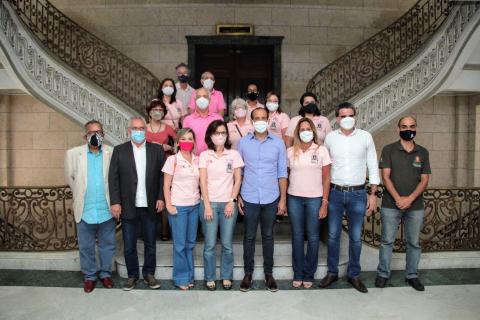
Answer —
(199, 126)
(185, 190)
(160, 137)
(220, 173)
(305, 178)
(233, 133)
(277, 122)
(217, 103)
(175, 111)
(321, 123)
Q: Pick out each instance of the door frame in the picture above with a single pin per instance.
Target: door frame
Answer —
(273, 41)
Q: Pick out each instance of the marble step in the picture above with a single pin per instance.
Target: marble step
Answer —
(282, 259)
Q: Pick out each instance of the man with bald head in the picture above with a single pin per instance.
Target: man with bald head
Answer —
(405, 172)
(217, 102)
(136, 197)
(199, 120)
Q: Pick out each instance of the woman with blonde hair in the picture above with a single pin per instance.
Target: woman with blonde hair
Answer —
(182, 199)
(241, 125)
(308, 189)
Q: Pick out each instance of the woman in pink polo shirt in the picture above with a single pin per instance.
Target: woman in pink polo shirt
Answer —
(277, 120)
(241, 125)
(309, 109)
(308, 189)
(220, 179)
(176, 111)
(182, 200)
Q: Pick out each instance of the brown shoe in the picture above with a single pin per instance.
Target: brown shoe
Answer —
(271, 283)
(327, 280)
(88, 285)
(107, 282)
(246, 283)
(151, 281)
(129, 284)
(358, 284)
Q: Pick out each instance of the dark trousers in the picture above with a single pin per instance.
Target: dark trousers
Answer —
(265, 215)
(130, 227)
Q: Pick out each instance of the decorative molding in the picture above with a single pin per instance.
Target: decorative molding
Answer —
(422, 76)
(55, 84)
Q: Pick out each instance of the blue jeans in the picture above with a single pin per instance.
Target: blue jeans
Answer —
(303, 213)
(130, 227)
(264, 214)
(87, 235)
(184, 234)
(227, 226)
(413, 221)
(354, 205)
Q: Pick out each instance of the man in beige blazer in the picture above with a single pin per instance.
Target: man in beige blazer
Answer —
(86, 171)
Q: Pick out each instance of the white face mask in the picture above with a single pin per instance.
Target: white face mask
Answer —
(306, 136)
(208, 84)
(272, 106)
(168, 91)
(202, 103)
(347, 123)
(240, 113)
(260, 126)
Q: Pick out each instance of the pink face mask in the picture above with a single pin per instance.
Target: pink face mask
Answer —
(240, 113)
(186, 145)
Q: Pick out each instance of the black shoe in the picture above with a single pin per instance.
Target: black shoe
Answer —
(381, 282)
(327, 280)
(358, 284)
(271, 283)
(415, 284)
(246, 283)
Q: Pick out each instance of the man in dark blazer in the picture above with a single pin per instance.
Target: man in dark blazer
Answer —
(136, 195)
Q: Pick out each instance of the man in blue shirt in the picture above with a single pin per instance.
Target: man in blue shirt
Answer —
(263, 194)
(86, 169)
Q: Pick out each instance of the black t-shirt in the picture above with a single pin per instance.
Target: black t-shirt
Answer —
(406, 170)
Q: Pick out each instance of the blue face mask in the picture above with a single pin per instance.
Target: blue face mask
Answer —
(137, 136)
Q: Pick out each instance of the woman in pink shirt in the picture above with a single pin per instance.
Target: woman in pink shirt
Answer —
(220, 179)
(241, 125)
(175, 109)
(277, 120)
(308, 189)
(182, 199)
(309, 109)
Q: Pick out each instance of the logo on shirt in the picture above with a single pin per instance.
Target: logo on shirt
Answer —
(319, 126)
(417, 163)
(314, 159)
(230, 166)
(273, 125)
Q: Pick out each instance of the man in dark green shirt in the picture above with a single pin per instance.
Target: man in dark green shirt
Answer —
(405, 174)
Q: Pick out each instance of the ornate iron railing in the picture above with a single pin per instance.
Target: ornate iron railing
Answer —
(360, 67)
(37, 219)
(451, 222)
(113, 71)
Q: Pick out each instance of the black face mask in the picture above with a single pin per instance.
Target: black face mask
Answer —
(408, 135)
(183, 78)
(311, 108)
(252, 96)
(95, 140)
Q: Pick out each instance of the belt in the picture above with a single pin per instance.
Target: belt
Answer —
(347, 188)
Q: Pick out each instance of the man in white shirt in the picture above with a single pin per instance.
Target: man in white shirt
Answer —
(352, 151)
(184, 90)
(136, 196)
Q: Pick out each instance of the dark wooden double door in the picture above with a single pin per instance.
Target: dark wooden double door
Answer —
(235, 67)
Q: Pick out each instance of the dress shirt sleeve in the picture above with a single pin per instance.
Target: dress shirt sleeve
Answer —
(282, 171)
(372, 165)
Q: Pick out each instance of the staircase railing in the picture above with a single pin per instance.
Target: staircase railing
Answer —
(90, 56)
(360, 67)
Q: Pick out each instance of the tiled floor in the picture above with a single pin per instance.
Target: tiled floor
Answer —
(450, 294)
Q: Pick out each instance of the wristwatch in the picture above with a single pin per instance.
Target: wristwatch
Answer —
(232, 200)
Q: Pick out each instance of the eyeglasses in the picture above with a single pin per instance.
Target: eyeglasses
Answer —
(348, 115)
(137, 128)
(100, 132)
(221, 133)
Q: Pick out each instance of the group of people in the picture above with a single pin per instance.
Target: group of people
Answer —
(186, 164)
